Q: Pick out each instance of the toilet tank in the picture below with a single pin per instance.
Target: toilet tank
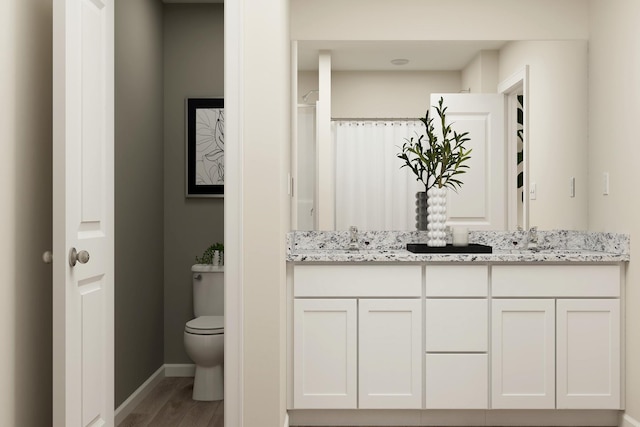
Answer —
(208, 290)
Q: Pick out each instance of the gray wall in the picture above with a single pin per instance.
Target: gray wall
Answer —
(193, 67)
(139, 298)
(25, 213)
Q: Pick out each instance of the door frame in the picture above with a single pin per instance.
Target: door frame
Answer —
(517, 83)
(233, 293)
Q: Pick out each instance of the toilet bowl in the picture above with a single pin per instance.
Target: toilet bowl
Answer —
(204, 335)
(204, 344)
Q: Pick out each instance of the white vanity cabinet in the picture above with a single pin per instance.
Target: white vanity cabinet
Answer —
(432, 338)
(325, 353)
(357, 337)
(390, 353)
(556, 337)
(523, 354)
(456, 336)
(588, 353)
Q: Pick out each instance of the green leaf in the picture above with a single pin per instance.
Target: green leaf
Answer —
(434, 160)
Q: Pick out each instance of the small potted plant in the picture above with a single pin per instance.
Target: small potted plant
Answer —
(437, 161)
(213, 255)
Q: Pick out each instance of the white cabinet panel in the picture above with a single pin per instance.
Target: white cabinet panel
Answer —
(457, 280)
(457, 381)
(555, 280)
(588, 358)
(325, 353)
(390, 354)
(454, 325)
(357, 281)
(523, 354)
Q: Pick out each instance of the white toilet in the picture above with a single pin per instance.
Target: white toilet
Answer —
(204, 335)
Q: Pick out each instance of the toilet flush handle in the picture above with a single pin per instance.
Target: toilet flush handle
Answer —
(197, 276)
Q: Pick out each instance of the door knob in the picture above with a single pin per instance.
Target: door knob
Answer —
(47, 257)
(74, 256)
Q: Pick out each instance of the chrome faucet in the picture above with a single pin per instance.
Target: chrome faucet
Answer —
(532, 239)
(353, 238)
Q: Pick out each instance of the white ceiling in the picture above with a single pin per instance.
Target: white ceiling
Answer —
(376, 55)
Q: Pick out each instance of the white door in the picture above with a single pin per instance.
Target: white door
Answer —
(83, 216)
(390, 354)
(588, 354)
(523, 354)
(325, 345)
(481, 202)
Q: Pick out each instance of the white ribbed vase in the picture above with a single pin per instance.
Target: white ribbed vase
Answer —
(436, 217)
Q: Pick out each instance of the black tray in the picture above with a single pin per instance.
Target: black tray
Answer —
(472, 248)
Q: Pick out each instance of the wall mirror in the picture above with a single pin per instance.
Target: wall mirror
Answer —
(350, 94)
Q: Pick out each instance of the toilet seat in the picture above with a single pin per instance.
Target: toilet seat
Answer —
(205, 325)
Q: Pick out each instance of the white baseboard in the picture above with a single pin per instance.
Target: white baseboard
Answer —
(391, 417)
(286, 420)
(179, 370)
(627, 420)
(137, 396)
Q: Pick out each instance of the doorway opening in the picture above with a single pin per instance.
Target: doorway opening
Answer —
(515, 88)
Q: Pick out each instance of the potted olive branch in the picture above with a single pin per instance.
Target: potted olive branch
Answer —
(436, 161)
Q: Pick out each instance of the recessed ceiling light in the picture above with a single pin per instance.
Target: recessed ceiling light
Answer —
(400, 61)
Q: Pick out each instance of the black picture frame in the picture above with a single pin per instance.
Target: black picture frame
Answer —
(205, 147)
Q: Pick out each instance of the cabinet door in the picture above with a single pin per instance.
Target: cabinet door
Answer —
(588, 359)
(456, 381)
(324, 353)
(523, 354)
(390, 353)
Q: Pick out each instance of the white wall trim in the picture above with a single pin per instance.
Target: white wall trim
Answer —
(286, 420)
(179, 370)
(514, 80)
(138, 396)
(508, 87)
(233, 210)
(627, 420)
(325, 153)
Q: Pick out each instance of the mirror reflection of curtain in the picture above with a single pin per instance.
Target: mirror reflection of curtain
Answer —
(372, 192)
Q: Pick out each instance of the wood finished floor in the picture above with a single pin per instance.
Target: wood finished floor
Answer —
(169, 404)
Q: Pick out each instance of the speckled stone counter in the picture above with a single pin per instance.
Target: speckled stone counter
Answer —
(390, 246)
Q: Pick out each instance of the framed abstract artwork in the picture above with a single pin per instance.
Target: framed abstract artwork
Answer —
(205, 147)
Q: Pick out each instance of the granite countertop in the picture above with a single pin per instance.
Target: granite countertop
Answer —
(389, 246)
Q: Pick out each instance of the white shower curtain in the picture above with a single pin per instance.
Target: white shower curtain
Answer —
(372, 192)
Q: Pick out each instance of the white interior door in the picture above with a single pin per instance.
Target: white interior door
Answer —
(481, 202)
(83, 216)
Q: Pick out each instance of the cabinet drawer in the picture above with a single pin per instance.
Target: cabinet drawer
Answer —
(456, 325)
(457, 381)
(357, 281)
(457, 280)
(555, 281)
